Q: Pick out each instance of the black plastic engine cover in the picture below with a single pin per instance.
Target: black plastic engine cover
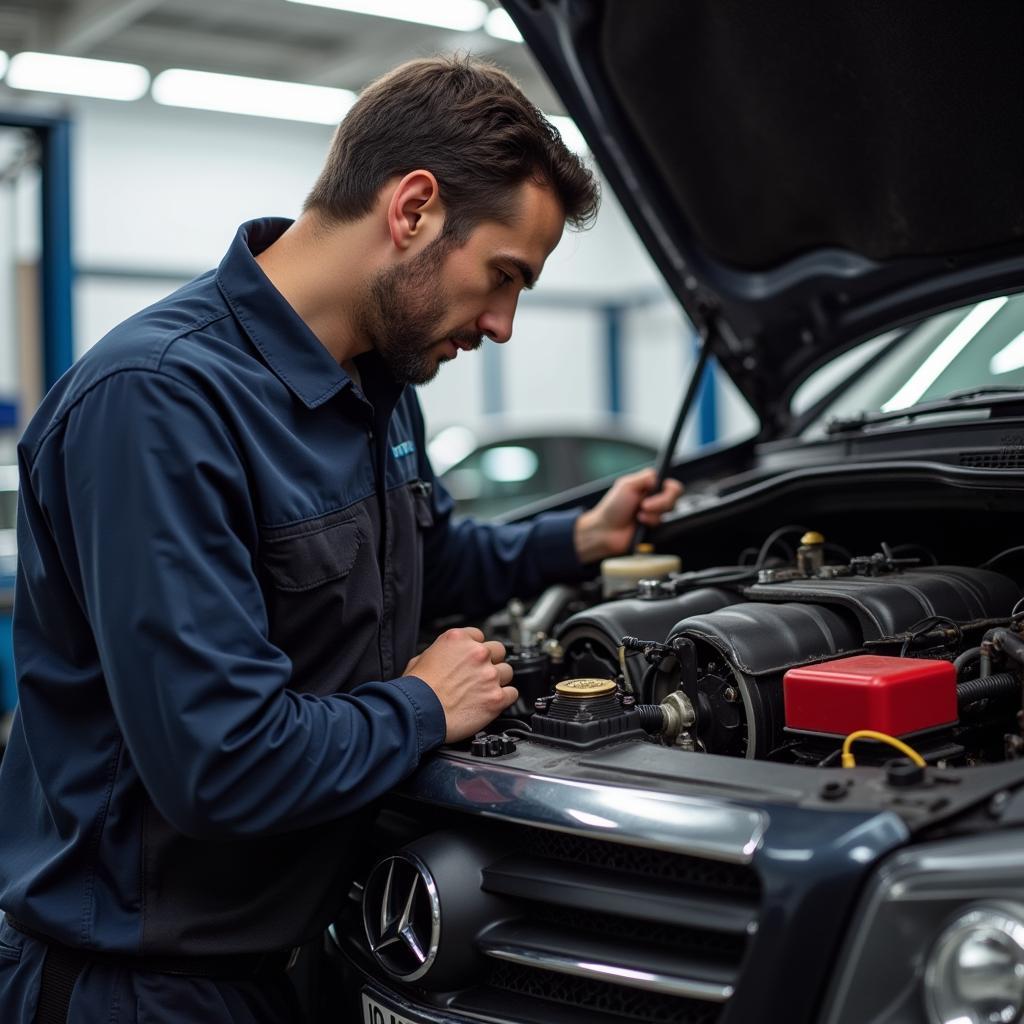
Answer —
(767, 639)
(606, 624)
(888, 604)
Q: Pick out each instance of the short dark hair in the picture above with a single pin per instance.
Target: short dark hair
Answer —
(469, 124)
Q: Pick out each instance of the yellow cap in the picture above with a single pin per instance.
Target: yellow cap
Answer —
(585, 687)
(644, 549)
(812, 537)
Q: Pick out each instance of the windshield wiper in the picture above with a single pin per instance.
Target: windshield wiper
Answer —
(1005, 397)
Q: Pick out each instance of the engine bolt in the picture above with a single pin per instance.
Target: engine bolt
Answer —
(731, 694)
(834, 790)
(627, 700)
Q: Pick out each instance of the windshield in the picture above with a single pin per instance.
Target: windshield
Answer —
(976, 347)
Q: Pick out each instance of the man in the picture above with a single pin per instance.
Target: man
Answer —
(229, 534)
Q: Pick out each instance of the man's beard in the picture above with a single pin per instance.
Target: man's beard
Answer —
(403, 312)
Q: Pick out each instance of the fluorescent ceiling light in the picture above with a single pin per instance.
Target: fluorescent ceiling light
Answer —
(261, 97)
(77, 76)
(944, 353)
(1008, 359)
(3, 63)
(501, 26)
(571, 135)
(461, 15)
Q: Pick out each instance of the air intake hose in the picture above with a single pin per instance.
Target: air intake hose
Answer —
(1002, 684)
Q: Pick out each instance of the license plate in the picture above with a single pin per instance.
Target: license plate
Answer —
(376, 1013)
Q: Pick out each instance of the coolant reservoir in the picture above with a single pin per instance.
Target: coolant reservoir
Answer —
(624, 572)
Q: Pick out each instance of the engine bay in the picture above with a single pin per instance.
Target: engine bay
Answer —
(802, 652)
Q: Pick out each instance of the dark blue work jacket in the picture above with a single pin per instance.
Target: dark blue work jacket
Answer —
(226, 545)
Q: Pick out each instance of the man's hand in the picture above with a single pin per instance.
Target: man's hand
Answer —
(608, 528)
(470, 677)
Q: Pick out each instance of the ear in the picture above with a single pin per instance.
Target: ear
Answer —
(415, 214)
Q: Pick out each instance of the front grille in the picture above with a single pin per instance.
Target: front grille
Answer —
(586, 931)
(997, 458)
(628, 930)
(637, 860)
(598, 997)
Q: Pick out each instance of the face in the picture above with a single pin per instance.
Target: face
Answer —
(445, 299)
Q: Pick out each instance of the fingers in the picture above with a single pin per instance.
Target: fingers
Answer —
(646, 478)
(664, 501)
(640, 483)
(669, 494)
(643, 483)
(504, 673)
(474, 634)
(496, 650)
(511, 695)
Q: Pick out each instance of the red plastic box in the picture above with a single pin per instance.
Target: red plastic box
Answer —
(891, 695)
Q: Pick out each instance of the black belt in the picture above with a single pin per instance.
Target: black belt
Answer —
(64, 964)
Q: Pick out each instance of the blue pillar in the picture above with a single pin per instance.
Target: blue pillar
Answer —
(58, 343)
(613, 357)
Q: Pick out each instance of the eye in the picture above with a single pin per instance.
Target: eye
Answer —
(504, 279)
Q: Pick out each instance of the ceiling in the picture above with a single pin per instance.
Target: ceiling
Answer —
(260, 38)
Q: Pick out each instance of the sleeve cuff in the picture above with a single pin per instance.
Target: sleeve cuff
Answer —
(556, 547)
(430, 721)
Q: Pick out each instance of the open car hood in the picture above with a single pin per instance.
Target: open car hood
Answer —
(804, 175)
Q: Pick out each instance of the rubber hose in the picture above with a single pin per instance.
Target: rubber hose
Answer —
(1002, 684)
(965, 659)
(652, 718)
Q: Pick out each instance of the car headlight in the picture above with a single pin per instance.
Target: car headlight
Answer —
(975, 971)
(938, 937)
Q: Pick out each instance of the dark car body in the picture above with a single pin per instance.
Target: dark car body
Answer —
(810, 179)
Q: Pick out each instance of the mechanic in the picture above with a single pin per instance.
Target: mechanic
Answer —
(229, 533)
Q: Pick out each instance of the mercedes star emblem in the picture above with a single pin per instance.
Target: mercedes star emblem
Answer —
(402, 916)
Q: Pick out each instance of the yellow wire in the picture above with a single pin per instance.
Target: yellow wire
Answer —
(881, 737)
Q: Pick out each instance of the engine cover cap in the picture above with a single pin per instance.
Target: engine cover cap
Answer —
(583, 688)
(870, 691)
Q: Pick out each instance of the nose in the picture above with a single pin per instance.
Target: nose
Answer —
(496, 322)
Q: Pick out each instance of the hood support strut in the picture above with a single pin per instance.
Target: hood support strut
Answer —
(707, 336)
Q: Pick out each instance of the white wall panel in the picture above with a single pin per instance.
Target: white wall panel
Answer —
(554, 366)
(655, 357)
(456, 394)
(165, 187)
(606, 261)
(102, 303)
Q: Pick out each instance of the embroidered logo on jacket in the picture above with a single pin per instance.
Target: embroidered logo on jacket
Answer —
(403, 449)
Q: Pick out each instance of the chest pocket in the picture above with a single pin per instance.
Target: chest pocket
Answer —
(323, 594)
(298, 561)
